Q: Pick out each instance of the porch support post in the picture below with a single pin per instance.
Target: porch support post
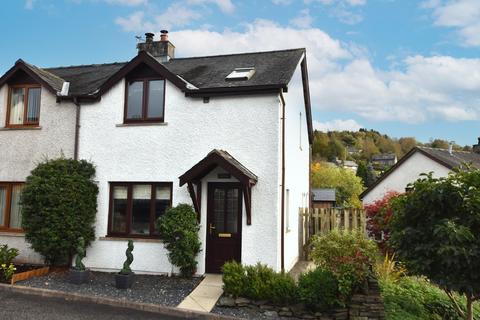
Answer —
(247, 194)
(196, 205)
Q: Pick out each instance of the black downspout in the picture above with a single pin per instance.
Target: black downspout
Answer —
(282, 210)
(77, 129)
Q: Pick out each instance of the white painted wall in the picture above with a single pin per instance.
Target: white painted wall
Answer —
(245, 126)
(407, 172)
(297, 150)
(21, 150)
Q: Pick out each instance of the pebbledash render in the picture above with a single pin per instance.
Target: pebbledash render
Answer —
(229, 134)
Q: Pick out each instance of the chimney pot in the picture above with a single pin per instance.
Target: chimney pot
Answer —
(163, 35)
(149, 37)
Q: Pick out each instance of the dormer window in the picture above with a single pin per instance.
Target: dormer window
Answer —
(241, 74)
(23, 105)
(145, 100)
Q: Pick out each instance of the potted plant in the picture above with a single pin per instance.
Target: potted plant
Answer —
(124, 279)
(79, 274)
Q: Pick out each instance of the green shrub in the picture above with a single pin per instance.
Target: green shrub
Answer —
(234, 278)
(6, 272)
(412, 298)
(350, 256)
(59, 204)
(318, 289)
(179, 230)
(259, 282)
(7, 254)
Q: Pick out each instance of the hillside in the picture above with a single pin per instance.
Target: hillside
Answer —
(363, 144)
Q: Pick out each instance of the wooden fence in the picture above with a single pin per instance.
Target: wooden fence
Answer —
(321, 221)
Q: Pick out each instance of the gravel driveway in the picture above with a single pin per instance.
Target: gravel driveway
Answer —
(162, 290)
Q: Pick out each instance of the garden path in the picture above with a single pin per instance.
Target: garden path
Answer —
(205, 295)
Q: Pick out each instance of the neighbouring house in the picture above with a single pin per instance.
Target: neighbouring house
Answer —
(323, 198)
(228, 134)
(347, 164)
(384, 160)
(419, 160)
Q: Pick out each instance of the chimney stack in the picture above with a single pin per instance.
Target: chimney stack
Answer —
(476, 147)
(163, 50)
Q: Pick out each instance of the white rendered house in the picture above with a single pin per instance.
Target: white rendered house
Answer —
(228, 134)
(419, 160)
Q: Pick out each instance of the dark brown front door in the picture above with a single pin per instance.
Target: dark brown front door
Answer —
(224, 225)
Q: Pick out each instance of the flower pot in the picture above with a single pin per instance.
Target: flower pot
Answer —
(124, 281)
(79, 276)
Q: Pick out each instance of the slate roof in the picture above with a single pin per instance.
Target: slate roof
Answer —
(384, 156)
(456, 159)
(272, 68)
(323, 195)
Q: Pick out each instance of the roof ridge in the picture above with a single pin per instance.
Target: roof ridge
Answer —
(85, 65)
(238, 54)
(443, 149)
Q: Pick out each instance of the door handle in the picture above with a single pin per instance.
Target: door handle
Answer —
(211, 228)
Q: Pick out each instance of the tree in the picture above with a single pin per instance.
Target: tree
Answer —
(59, 205)
(435, 231)
(348, 186)
(407, 144)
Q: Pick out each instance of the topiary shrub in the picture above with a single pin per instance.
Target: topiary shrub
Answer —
(318, 289)
(179, 230)
(59, 204)
(350, 256)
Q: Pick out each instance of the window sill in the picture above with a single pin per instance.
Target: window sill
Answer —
(7, 233)
(21, 128)
(135, 239)
(141, 124)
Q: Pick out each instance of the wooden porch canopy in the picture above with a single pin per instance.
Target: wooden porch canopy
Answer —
(222, 159)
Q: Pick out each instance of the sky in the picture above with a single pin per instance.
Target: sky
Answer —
(401, 67)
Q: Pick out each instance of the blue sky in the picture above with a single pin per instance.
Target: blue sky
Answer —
(404, 68)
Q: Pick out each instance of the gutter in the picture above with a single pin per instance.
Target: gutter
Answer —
(282, 203)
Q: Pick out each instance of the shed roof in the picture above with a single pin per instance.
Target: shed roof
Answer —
(323, 194)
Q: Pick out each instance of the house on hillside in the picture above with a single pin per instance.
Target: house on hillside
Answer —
(419, 160)
(221, 133)
(384, 160)
(323, 198)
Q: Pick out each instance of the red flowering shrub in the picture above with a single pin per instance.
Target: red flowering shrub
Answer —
(378, 215)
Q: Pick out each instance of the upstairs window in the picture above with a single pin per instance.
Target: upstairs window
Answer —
(145, 100)
(23, 105)
(10, 208)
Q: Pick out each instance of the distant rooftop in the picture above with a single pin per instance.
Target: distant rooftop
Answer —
(323, 194)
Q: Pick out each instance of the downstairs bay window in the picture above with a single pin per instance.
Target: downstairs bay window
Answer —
(10, 207)
(135, 207)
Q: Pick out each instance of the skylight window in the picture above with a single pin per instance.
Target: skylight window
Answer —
(241, 74)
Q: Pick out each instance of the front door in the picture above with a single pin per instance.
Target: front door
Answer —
(224, 225)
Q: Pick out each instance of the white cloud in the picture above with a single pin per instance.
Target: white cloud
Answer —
(303, 20)
(131, 3)
(462, 15)
(29, 4)
(174, 16)
(337, 125)
(226, 6)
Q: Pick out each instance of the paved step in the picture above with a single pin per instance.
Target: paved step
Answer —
(205, 295)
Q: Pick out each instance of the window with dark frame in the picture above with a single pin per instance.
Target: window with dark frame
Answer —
(23, 105)
(136, 206)
(145, 100)
(10, 208)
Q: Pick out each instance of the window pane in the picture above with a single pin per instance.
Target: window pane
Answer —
(142, 199)
(162, 200)
(119, 207)
(219, 209)
(155, 99)
(3, 204)
(33, 110)
(135, 100)
(15, 207)
(232, 210)
(17, 106)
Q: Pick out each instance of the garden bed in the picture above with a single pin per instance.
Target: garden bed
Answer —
(27, 271)
(160, 290)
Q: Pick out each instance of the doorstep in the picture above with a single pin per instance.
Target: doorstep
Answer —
(205, 295)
